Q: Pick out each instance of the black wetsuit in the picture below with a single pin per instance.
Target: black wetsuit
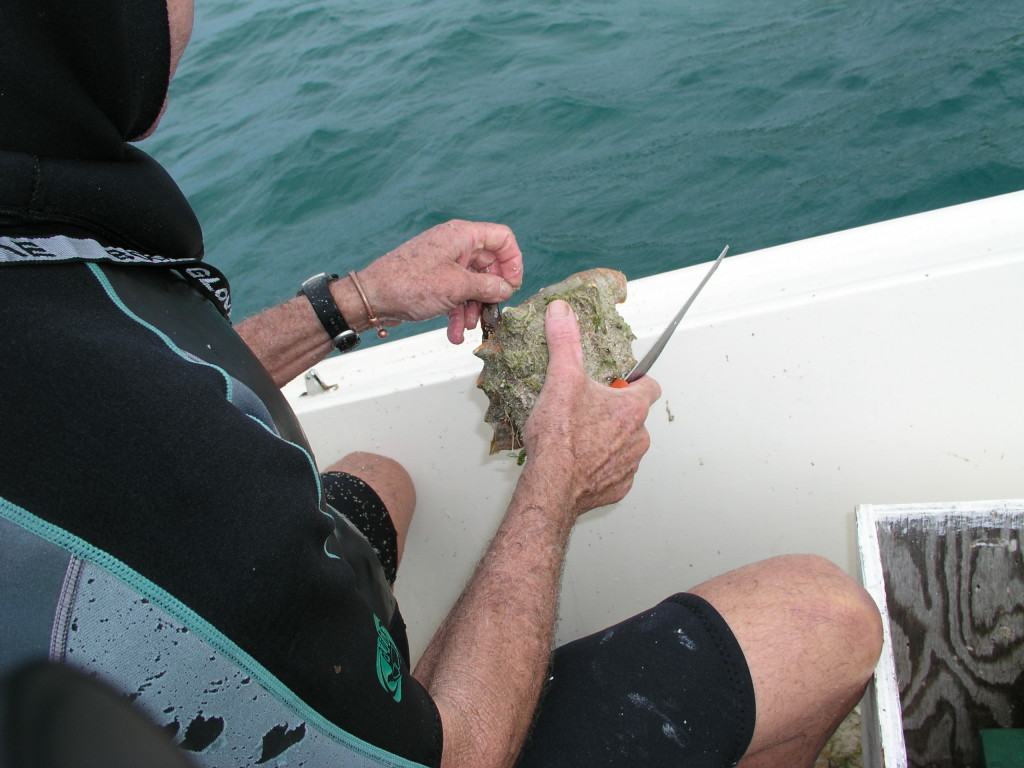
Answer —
(161, 517)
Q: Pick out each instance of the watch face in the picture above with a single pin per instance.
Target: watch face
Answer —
(346, 341)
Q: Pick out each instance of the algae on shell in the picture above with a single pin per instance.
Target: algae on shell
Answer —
(515, 355)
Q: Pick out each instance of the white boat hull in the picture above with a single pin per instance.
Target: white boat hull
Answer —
(877, 365)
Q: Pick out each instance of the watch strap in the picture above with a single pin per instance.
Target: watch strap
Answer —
(317, 290)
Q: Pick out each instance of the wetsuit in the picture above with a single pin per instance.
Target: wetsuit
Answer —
(162, 522)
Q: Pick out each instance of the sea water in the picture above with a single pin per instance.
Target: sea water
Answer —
(641, 135)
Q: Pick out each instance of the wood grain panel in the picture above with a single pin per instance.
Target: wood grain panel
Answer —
(954, 585)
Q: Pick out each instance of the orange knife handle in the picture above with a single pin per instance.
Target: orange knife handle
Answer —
(619, 384)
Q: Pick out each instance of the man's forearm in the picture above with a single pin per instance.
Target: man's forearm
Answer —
(486, 665)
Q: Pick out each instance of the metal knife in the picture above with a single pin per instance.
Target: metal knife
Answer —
(490, 319)
(645, 364)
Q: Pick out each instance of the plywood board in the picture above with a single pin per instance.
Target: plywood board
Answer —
(952, 586)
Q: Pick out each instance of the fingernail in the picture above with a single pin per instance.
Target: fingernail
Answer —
(505, 290)
(558, 308)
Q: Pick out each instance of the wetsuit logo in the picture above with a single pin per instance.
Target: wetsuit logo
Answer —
(389, 662)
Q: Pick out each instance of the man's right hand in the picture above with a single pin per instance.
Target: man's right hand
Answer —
(581, 432)
(486, 665)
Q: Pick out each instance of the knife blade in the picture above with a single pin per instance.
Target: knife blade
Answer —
(490, 319)
(647, 361)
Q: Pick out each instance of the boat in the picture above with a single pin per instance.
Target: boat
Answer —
(877, 365)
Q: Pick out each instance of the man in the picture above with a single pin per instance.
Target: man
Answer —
(163, 526)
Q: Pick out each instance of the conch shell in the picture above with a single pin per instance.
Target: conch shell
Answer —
(515, 355)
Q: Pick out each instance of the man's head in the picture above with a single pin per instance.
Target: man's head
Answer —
(78, 79)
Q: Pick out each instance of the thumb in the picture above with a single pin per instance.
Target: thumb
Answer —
(563, 335)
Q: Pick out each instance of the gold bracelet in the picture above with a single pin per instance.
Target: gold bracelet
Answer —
(371, 318)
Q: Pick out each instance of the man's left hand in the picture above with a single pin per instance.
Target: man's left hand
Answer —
(453, 268)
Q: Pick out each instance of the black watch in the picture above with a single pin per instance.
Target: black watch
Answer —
(319, 294)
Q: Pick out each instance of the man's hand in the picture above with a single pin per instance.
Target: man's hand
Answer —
(592, 434)
(485, 666)
(452, 268)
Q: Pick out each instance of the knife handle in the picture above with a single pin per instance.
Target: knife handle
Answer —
(619, 384)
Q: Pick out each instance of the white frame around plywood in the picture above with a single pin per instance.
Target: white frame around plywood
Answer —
(882, 713)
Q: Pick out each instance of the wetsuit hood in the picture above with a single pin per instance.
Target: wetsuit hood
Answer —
(77, 80)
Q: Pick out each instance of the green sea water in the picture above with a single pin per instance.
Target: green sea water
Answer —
(641, 135)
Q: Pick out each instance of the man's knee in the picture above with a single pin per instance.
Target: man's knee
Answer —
(829, 602)
(805, 603)
(389, 480)
(377, 470)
